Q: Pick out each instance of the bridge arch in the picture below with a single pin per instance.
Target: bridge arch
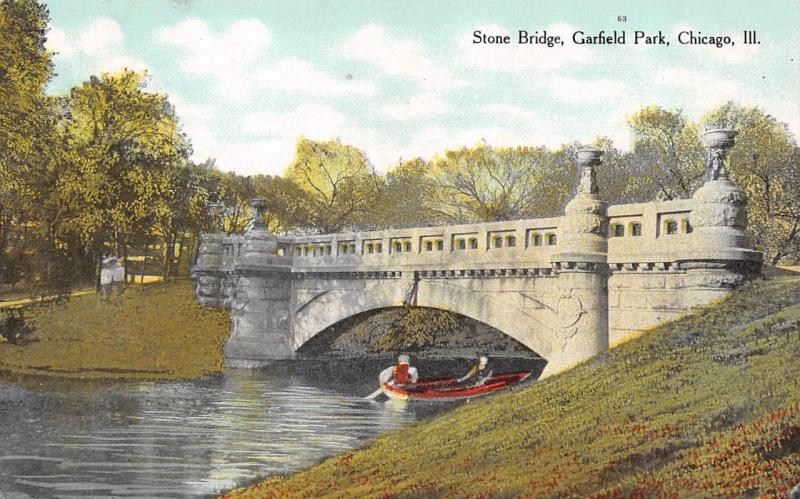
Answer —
(512, 313)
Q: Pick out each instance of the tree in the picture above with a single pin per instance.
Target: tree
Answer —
(286, 204)
(234, 195)
(413, 329)
(184, 212)
(486, 183)
(408, 197)
(765, 164)
(669, 150)
(125, 149)
(25, 126)
(342, 190)
(622, 177)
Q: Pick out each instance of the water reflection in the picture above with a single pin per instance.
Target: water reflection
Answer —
(193, 438)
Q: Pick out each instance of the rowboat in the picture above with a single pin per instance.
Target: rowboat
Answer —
(450, 389)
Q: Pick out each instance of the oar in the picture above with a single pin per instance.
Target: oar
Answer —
(374, 394)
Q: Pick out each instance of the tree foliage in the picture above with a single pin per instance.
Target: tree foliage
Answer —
(488, 183)
(26, 132)
(106, 168)
(668, 150)
(126, 153)
(337, 178)
(415, 329)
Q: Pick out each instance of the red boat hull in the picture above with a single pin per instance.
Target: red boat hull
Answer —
(449, 389)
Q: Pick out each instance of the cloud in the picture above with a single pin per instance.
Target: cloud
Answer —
(100, 38)
(268, 153)
(417, 106)
(515, 58)
(299, 77)
(511, 113)
(99, 46)
(309, 120)
(194, 121)
(59, 42)
(575, 90)
(265, 157)
(793, 119)
(700, 91)
(236, 62)
(227, 58)
(277, 132)
(524, 126)
(433, 140)
(500, 124)
(403, 57)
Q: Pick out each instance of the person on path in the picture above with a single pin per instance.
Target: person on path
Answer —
(107, 266)
(118, 277)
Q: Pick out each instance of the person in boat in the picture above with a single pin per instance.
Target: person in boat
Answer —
(478, 372)
(400, 374)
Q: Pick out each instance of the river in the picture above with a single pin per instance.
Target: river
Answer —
(62, 438)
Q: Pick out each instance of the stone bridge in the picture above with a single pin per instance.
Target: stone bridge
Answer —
(565, 287)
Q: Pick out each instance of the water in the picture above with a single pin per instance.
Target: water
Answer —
(194, 438)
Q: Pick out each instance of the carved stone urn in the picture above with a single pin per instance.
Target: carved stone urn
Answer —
(718, 141)
(719, 216)
(585, 223)
(720, 138)
(260, 243)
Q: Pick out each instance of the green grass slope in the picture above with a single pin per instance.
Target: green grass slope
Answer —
(155, 331)
(706, 405)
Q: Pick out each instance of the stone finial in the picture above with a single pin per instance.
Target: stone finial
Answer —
(260, 245)
(258, 208)
(718, 141)
(215, 213)
(585, 224)
(719, 215)
(588, 158)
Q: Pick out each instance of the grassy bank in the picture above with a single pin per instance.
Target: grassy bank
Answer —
(155, 331)
(706, 405)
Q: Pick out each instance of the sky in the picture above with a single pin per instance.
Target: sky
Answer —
(403, 79)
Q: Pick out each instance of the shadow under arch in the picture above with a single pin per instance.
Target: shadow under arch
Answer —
(525, 317)
(466, 336)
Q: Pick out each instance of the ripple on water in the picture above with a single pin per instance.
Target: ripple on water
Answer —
(177, 439)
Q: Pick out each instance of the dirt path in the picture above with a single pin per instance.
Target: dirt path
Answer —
(80, 292)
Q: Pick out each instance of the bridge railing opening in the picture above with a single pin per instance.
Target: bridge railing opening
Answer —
(639, 232)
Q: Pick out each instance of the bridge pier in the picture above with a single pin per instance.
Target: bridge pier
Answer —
(261, 304)
(582, 306)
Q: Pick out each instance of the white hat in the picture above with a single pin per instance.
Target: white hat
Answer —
(403, 359)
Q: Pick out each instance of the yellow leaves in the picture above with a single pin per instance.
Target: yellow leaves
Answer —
(322, 168)
(490, 183)
(337, 182)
